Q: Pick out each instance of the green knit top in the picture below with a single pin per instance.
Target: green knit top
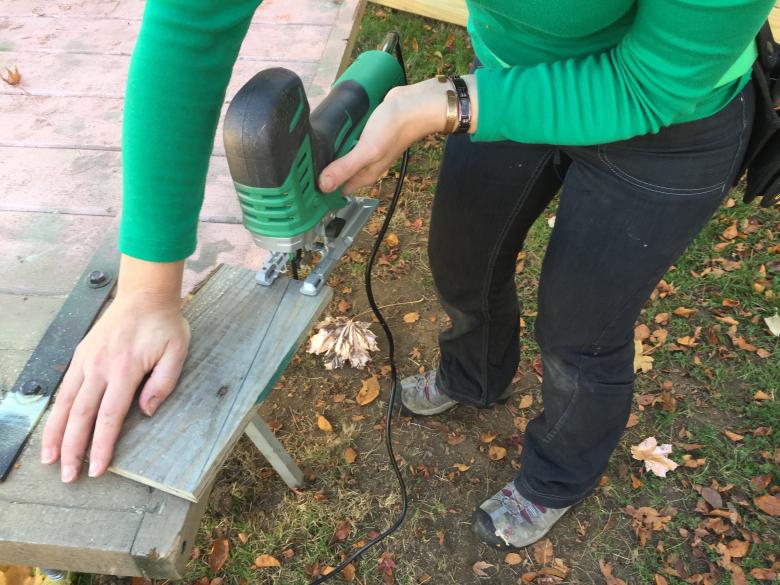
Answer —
(563, 72)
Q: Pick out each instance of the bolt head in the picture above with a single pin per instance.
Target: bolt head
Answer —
(31, 387)
(97, 277)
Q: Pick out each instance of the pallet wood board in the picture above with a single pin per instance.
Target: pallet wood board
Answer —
(243, 335)
(453, 11)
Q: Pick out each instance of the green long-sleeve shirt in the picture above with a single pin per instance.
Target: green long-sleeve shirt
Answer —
(564, 72)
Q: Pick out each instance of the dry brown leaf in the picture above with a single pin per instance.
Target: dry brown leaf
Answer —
(220, 549)
(462, 467)
(324, 424)
(768, 504)
(487, 437)
(543, 551)
(348, 573)
(683, 312)
(733, 436)
(641, 332)
(654, 456)
(243, 537)
(642, 363)
(412, 317)
(513, 559)
(392, 240)
(368, 392)
(344, 306)
(760, 482)
(479, 568)
(773, 323)
(343, 341)
(712, 497)
(496, 453)
(687, 341)
(632, 421)
(738, 548)
(350, 455)
(662, 318)
(763, 574)
(11, 76)
(660, 580)
(606, 571)
(526, 401)
(266, 562)
(730, 232)
(761, 395)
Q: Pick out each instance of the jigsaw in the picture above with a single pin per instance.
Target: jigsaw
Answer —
(276, 149)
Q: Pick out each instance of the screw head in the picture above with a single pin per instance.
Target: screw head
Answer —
(31, 387)
(97, 279)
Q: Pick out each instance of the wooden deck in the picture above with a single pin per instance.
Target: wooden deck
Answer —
(60, 190)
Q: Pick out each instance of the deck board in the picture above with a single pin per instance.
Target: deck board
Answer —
(60, 161)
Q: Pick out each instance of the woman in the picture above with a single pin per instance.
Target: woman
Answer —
(640, 109)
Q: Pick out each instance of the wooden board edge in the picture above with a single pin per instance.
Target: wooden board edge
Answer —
(452, 11)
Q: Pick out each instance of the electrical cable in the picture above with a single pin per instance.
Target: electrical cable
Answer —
(391, 358)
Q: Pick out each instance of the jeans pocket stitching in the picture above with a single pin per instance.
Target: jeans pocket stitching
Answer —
(621, 174)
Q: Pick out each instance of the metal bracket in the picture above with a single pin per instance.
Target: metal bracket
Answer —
(355, 214)
(23, 406)
(273, 266)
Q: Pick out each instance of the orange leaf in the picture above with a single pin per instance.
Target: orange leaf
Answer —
(738, 548)
(526, 401)
(11, 77)
(243, 537)
(391, 240)
(662, 318)
(543, 551)
(412, 317)
(641, 332)
(350, 455)
(633, 420)
(768, 504)
(266, 562)
(660, 580)
(220, 549)
(324, 424)
(368, 392)
(683, 312)
(462, 467)
(496, 453)
(479, 568)
(487, 437)
(733, 436)
(730, 232)
(513, 559)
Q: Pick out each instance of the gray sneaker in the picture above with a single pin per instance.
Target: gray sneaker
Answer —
(420, 395)
(508, 521)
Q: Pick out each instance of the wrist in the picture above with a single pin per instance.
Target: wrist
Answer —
(153, 283)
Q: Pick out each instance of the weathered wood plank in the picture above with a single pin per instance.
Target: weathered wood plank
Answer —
(69, 75)
(243, 336)
(25, 319)
(453, 11)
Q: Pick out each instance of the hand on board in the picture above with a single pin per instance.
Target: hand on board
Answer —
(142, 333)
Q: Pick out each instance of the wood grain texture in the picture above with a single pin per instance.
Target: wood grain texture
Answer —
(453, 11)
(243, 337)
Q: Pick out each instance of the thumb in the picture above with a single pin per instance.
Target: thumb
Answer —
(163, 379)
(342, 169)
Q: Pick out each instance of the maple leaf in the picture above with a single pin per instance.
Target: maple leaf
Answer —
(342, 341)
(642, 363)
(654, 456)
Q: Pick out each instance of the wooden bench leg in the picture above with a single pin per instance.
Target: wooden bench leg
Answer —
(265, 440)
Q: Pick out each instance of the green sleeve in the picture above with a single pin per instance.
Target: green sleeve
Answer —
(179, 72)
(667, 65)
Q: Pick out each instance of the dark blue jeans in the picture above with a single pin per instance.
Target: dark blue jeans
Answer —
(627, 210)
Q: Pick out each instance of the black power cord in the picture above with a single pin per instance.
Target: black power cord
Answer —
(391, 357)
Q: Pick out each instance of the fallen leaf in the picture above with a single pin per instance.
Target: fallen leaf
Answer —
(660, 580)
(412, 317)
(730, 232)
(288, 553)
(513, 559)
(773, 323)
(543, 551)
(11, 77)
(424, 578)
(344, 306)
(642, 363)
(641, 332)
(632, 421)
(220, 549)
(462, 467)
(266, 562)
(342, 531)
(712, 497)
(324, 424)
(440, 535)
(343, 341)
(368, 392)
(350, 455)
(526, 401)
(487, 437)
(683, 312)
(479, 568)
(738, 548)
(392, 240)
(662, 318)
(761, 395)
(768, 504)
(635, 483)
(496, 453)
(243, 537)
(348, 573)
(760, 482)
(687, 341)
(733, 436)
(654, 456)
(763, 574)
(606, 571)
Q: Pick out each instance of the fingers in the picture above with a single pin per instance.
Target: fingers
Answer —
(58, 418)
(78, 430)
(113, 410)
(342, 169)
(163, 379)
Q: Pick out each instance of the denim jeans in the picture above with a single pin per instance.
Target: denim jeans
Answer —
(627, 210)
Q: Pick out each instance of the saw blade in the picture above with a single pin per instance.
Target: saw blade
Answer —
(22, 407)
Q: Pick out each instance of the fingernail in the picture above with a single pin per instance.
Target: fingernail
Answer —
(94, 466)
(47, 455)
(152, 405)
(69, 473)
(326, 184)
